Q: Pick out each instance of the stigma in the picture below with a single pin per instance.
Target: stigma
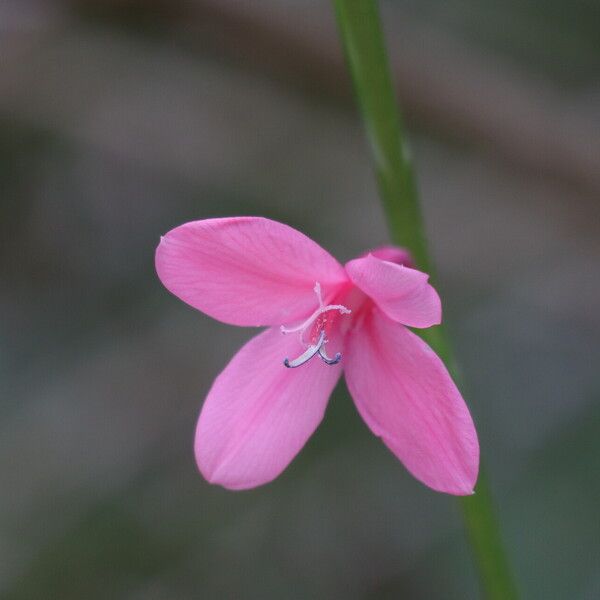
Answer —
(316, 325)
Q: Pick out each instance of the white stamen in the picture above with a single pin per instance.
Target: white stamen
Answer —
(310, 352)
(322, 309)
(319, 311)
(319, 347)
(326, 359)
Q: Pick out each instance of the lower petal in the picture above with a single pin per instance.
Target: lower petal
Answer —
(258, 414)
(406, 396)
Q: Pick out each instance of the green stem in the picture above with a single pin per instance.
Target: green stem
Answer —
(360, 29)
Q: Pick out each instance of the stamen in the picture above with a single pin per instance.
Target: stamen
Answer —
(322, 309)
(326, 359)
(306, 356)
(319, 311)
(307, 326)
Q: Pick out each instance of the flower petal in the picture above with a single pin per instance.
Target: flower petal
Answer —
(394, 254)
(247, 271)
(406, 396)
(402, 293)
(259, 414)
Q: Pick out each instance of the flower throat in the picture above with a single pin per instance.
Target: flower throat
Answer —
(317, 327)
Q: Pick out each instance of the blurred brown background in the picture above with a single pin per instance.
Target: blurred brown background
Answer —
(122, 119)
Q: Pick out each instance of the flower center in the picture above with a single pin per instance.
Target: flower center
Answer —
(313, 332)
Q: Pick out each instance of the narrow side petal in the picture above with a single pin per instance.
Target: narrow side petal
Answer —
(402, 293)
(406, 396)
(259, 414)
(247, 271)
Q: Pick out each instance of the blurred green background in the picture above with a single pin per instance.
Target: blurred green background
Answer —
(121, 119)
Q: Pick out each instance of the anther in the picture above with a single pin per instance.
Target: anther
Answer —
(319, 317)
(306, 356)
(326, 359)
(312, 350)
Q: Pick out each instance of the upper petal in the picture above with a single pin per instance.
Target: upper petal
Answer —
(407, 397)
(247, 271)
(259, 414)
(395, 254)
(402, 293)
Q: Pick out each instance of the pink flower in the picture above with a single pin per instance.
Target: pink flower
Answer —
(322, 318)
